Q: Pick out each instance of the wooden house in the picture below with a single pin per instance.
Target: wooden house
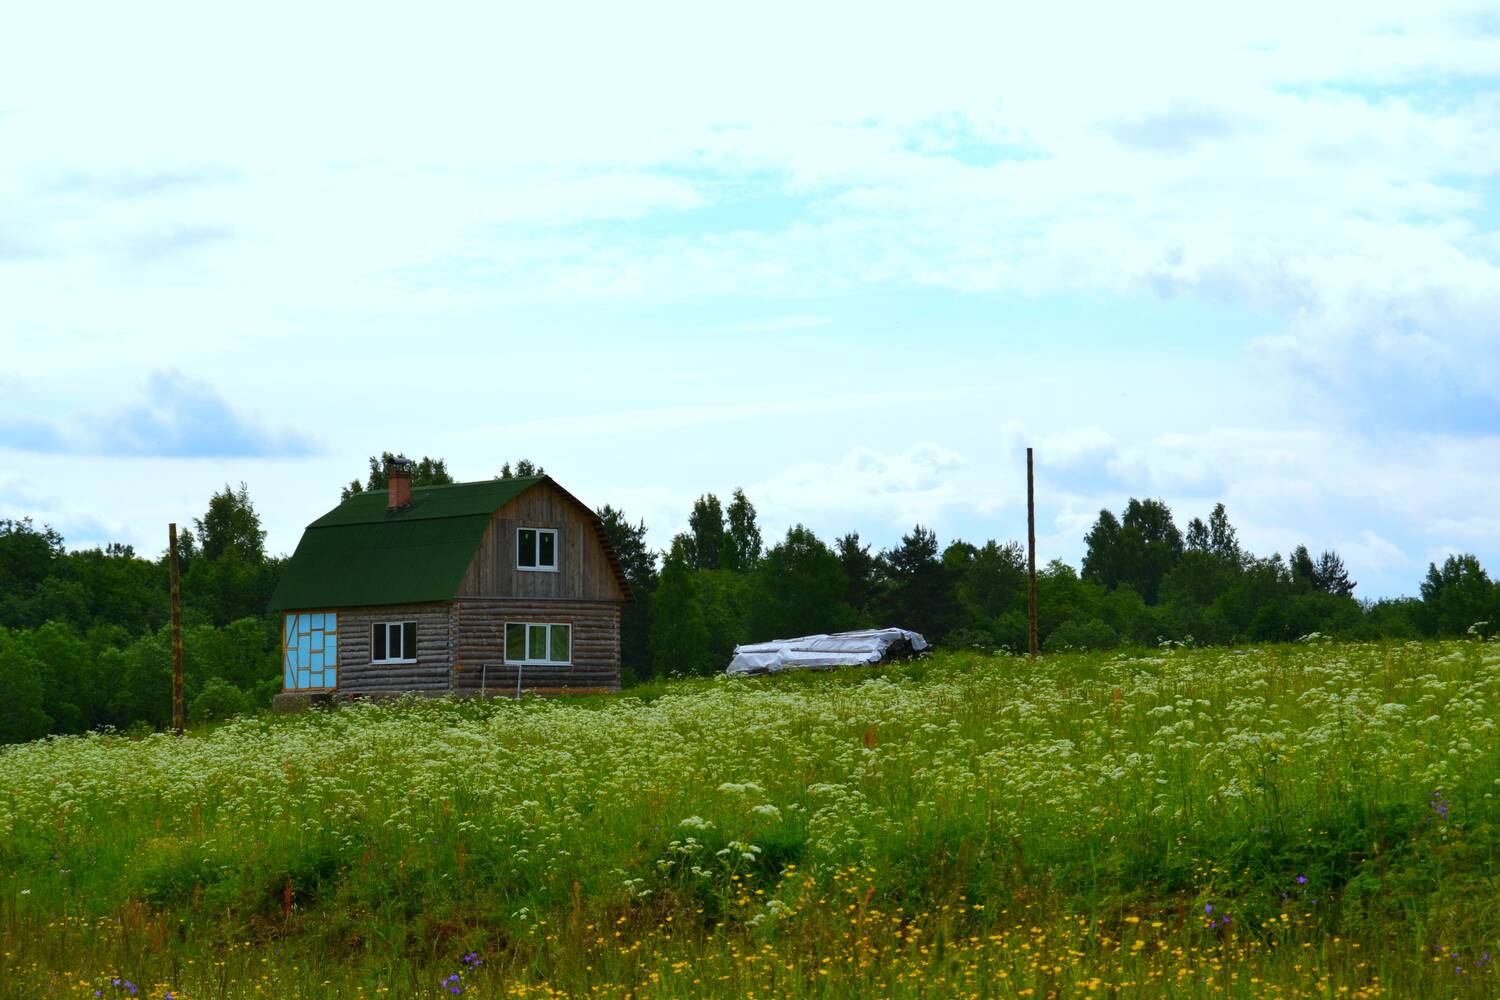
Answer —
(472, 588)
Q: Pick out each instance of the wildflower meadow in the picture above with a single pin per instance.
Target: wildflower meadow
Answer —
(1314, 819)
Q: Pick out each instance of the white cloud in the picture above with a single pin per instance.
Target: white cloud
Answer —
(437, 203)
(866, 485)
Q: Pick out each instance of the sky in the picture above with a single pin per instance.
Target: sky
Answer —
(853, 258)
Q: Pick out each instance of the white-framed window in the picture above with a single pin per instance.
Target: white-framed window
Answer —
(535, 642)
(536, 549)
(393, 642)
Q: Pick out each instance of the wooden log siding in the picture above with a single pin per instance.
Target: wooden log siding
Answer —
(479, 638)
(583, 566)
(431, 673)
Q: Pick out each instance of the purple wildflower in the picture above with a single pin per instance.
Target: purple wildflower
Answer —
(1208, 908)
(1301, 879)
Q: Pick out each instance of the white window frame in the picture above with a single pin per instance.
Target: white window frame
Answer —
(544, 661)
(537, 552)
(402, 626)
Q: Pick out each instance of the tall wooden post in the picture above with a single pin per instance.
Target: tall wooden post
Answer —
(1031, 554)
(177, 719)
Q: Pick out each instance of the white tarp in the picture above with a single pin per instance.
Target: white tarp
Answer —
(812, 652)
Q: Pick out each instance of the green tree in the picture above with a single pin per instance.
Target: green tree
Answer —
(742, 542)
(861, 576)
(1304, 570)
(639, 565)
(798, 590)
(1331, 577)
(1062, 597)
(122, 589)
(140, 681)
(993, 581)
(231, 525)
(70, 689)
(1223, 541)
(706, 529)
(679, 636)
(219, 591)
(22, 715)
(1204, 570)
(1104, 552)
(424, 472)
(1457, 596)
(725, 598)
(1124, 611)
(1150, 544)
(920, 593)
(1197, 536)
(525, 469)
(58, 599)
(28, 557)
(1391, 618)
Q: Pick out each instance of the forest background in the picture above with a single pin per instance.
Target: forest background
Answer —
(84, 641)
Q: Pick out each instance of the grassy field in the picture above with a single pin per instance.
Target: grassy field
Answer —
(1312, 820)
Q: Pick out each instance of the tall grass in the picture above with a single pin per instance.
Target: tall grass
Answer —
(1277, 821)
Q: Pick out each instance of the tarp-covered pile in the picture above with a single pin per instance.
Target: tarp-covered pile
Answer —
(817, 652)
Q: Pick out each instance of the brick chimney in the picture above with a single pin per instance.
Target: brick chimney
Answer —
(398, 483)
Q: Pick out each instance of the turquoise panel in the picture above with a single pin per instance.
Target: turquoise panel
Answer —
(311, 650)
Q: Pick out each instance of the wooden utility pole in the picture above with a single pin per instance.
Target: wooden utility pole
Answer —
(176, 630)
(1031, 554)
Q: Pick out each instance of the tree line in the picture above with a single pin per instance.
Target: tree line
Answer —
(84, 643)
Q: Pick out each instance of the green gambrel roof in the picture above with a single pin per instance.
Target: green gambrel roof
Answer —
(360, 553)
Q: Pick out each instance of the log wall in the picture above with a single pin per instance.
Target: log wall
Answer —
(431, 673)
(584, 570)
(479, 639)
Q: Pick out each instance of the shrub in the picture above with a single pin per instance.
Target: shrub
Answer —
(1093, 634)
(219, 700)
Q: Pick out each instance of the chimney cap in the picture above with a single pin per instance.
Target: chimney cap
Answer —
(400, 463)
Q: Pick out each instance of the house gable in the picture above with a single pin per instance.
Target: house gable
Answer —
(586, 567)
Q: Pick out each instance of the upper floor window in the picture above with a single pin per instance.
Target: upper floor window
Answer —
(536, 549)
(393, 642)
